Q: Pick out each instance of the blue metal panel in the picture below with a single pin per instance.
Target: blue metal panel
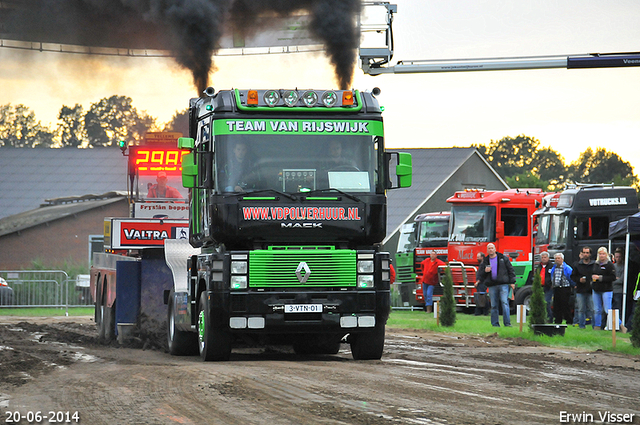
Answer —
(155, 277)
(127, 291)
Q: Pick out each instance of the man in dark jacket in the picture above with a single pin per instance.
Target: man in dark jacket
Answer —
(497, 273)
(582, 271)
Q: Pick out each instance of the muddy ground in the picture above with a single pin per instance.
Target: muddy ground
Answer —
(57, 365)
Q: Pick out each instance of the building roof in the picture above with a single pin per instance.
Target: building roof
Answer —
(57, 209)
(29, 176)
(431, 168)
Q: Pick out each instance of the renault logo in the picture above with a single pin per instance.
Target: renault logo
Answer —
(303, 268)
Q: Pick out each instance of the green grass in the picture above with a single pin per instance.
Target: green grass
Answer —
(46, 311)
(586, 339)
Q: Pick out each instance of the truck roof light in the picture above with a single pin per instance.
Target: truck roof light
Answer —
(310, 98)
(290, 97)
(329, 98)
(347, 98)
(271, 98)
(252, 97)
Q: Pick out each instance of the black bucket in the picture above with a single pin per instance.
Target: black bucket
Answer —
(549, 330)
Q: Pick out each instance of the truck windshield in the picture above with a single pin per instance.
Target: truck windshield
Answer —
(407, 240)
(472, 223)
(552, 229)
(160, 187)
(433, 233)
(296, 163)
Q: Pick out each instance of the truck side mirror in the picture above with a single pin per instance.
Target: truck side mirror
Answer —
(499, 229)
(186, 143)
(403, 170)
(189, 170)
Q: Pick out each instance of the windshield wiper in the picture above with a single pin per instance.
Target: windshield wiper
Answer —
(329, 189)
(254, 192)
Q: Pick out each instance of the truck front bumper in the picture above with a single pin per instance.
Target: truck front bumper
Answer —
(317, 311)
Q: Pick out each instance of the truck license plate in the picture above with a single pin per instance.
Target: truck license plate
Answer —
(303, 308)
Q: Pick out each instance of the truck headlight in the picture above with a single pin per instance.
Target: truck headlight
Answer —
(365, 281)
(310, 98)
(238, 282)
(239, 267)
(365, 266)
(329, 98)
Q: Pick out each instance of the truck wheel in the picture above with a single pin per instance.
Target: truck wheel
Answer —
(100, 321)
(180, 343)
(107, 323)
(523, 296)
(109, 320)
(368, 345)
(214, 340)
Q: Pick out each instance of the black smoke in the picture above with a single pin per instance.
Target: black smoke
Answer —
(332, 21)
(191, 29)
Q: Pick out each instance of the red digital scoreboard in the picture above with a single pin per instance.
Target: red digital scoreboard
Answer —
(158, 153)
(150, 160)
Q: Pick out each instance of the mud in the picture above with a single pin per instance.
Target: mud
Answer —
(57, 364)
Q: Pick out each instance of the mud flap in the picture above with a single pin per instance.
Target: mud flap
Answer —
(128, 298)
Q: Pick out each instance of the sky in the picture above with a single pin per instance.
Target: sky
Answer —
(568, 110)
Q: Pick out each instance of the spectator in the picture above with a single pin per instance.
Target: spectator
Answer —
(616, 300)
(430, 278)
(602, 279)
(562, 286)
(483, 306)
(497, 273)
(161, 190)
(581, 275)
(392, 274)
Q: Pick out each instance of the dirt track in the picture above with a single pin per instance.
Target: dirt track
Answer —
(423, 378)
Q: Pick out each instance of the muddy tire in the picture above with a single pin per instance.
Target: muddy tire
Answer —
(368, 345)
(109, 321)
(214, 338)
(180, 343)
(100, 320)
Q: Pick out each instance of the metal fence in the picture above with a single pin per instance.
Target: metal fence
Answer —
(43, 288)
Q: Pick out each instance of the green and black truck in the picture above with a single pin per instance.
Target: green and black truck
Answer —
(288, 209)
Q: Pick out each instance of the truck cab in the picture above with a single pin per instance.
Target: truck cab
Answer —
(579, 217)
(288, 206)
(428, 232)
(503, 218)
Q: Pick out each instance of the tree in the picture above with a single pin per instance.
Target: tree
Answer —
(527, 180)
(601, 166)
(19, 128)
(71, 128)
(511, 155)
(549, 166)
(447, 302)
(113, 119)
(179, 122)
(537, 304)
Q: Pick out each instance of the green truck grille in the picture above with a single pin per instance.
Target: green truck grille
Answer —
(404, 268)
(302, 266)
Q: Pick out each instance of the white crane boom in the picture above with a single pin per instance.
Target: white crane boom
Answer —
(375, 61)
